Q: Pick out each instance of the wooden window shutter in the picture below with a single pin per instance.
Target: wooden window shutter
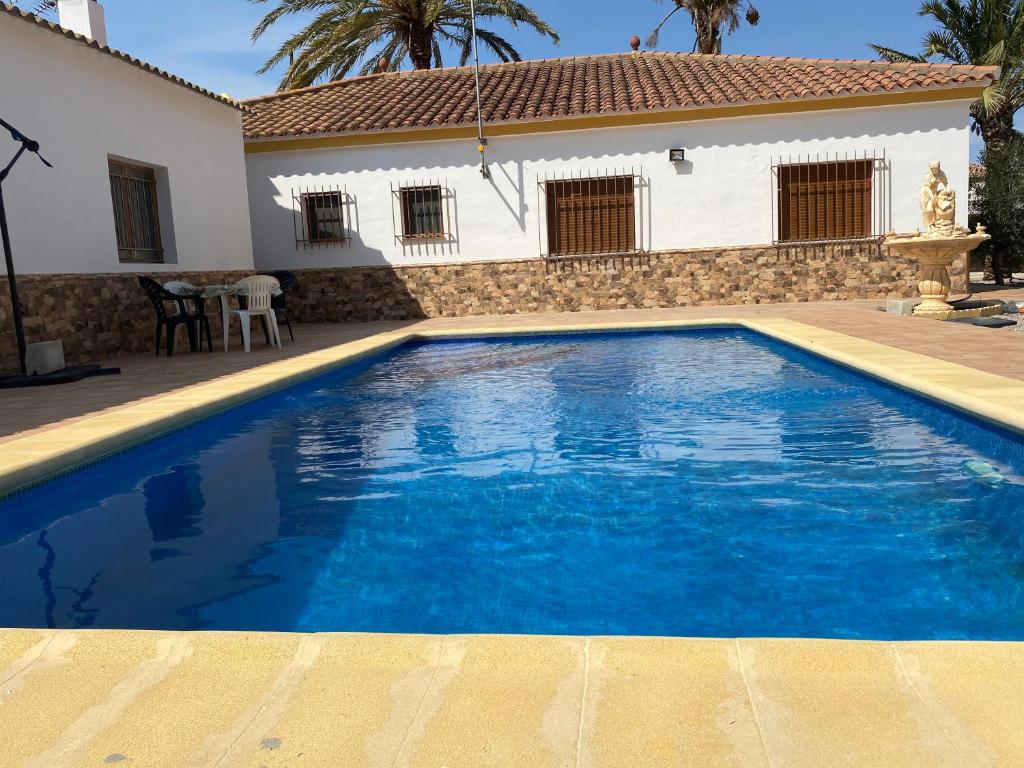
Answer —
(591, 216)
(825, 201)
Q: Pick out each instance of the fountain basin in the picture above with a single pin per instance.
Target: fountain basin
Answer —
(935, 254)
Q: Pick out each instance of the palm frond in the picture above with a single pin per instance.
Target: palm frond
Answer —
(347, 35)
(979, 32)
(711, 19)
(897, 57)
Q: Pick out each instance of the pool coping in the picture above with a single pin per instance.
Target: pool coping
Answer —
(218, 699)
(41, 455)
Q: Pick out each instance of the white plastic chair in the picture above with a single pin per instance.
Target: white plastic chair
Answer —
(258, 290)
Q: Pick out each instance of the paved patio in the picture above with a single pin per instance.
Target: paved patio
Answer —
(81, 698)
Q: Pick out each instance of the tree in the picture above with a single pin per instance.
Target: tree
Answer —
(710, 18)
(1000, 206)
(345, 34)
(983, 32)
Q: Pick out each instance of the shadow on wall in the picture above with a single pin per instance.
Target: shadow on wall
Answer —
(518, 210)
(291, 212)
(332, 291)
(340, 294)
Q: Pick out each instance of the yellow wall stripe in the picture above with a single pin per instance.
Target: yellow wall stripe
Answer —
(403, 136)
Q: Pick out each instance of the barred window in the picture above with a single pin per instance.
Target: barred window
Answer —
(321, 217)
(827, 201)
(591, 216)
(422, 212)
(136, 216)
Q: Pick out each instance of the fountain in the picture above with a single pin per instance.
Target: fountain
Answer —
(937, 247)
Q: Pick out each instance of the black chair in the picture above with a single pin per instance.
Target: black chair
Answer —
(280, 303)
(195, 298)
(166, 322)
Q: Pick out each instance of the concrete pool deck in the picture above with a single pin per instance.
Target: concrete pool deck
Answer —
(76, 699)
(81, 698)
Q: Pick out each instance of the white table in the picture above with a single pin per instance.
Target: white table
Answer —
(223, 292)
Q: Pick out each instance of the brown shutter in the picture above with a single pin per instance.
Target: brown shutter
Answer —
(825, 201)
(591, 216)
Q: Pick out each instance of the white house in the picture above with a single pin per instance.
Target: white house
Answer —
(148, 170)
(612, 181)
(627, 153)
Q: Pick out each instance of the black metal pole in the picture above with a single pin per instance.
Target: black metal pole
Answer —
(27, 145)
(12, 280)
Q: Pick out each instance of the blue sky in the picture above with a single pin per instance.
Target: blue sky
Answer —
(207, 41)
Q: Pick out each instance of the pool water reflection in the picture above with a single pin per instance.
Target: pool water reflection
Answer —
(695, 483)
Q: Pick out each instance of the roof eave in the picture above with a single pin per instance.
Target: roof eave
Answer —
(955, 92)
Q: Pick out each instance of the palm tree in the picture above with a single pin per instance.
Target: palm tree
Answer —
(345, 34)
(986, 32)
(710, 18)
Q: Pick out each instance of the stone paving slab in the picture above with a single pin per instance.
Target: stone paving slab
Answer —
(77, 699)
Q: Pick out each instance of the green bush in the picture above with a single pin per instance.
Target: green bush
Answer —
(1000, 207)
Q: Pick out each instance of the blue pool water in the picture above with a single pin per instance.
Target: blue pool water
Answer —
(696, 483)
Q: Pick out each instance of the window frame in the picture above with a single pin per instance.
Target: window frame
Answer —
(405, 192)
(818, 187)
(305, 220)
(128, 223)
(607, 222)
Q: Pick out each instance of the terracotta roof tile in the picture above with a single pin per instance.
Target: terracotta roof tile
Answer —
(31, 18)
(577, 87)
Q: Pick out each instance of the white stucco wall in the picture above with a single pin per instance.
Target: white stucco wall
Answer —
(83, 106)
(721, 196)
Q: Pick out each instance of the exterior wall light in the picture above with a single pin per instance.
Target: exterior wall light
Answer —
(677, 155)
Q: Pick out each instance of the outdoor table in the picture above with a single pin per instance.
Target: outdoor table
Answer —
(202, 293)
(223, 291)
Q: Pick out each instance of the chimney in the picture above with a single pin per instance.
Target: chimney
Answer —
(83, 17)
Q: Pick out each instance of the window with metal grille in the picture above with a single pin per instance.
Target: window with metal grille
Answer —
(136, 216)
(830, 200)
(422, 212)
(319, 218)
(591, 216)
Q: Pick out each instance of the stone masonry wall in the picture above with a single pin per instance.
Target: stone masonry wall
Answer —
(99, 316)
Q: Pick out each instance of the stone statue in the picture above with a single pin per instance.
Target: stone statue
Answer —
(945, 213)
(937, 248)
(938, 202)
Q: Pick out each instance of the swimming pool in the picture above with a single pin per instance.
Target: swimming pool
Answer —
(701, 483)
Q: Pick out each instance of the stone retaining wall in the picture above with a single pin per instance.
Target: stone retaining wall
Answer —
(100, 316)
